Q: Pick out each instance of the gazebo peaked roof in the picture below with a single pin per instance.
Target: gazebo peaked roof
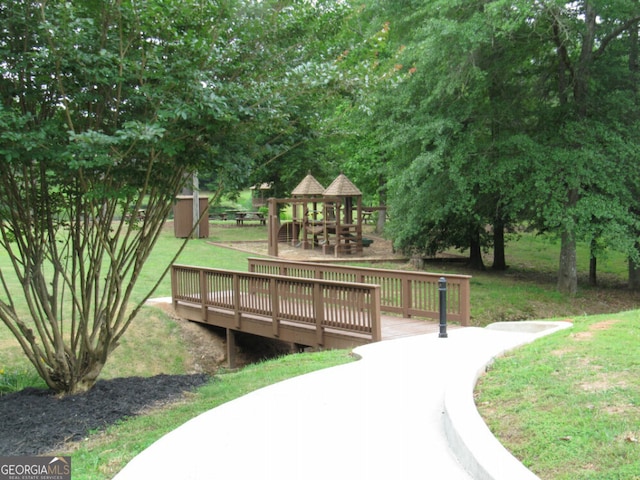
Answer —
(309, 186)
(342, 187)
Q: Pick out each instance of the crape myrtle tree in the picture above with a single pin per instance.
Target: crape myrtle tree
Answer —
(105, 109)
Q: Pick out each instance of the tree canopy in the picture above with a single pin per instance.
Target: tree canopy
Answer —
(512, 113)
(470, 118)
(105, 109)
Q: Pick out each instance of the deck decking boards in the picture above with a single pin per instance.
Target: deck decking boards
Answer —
(398, 327)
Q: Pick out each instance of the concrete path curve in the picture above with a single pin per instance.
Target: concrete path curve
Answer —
(404, 411)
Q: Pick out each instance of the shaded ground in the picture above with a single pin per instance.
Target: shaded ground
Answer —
(35, 421)
(380, 249)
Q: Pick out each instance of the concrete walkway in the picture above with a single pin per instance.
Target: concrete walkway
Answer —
(403, 411)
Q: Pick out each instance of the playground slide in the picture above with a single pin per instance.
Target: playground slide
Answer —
(288, 231)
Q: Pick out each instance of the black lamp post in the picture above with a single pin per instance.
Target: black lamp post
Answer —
(442, 287)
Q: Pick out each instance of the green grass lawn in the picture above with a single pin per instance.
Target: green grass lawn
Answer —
(588, 374)
(568, 406)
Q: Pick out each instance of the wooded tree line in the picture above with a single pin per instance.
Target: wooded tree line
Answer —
(504, 115)
(473, 120)
(469, 119)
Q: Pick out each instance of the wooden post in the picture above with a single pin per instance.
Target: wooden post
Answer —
(319, 311)
(465, 301)
(236, 300)
(376, 322)
(273, 225)
(203, 295)
(196, 206)
(231, 348)
(406, 297)
(174, 286)
(275, 307)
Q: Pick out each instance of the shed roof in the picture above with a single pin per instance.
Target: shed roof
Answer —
(308, 186)
(342, 187)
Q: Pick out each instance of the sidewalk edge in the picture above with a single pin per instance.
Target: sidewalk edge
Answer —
(477, 449)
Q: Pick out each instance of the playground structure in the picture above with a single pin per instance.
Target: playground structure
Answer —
(328, 218)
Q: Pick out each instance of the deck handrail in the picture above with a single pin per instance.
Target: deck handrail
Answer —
(311, 303)
(407, 293)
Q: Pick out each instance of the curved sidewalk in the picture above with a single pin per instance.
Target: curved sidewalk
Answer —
(405, 410)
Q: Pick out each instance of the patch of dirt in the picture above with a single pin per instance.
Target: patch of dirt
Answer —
(380, 250)
(604, 325)
(207, 345)
(599, 326)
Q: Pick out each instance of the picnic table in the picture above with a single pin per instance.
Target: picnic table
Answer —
(242, 216)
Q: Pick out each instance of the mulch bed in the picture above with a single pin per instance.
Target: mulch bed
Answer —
(35, 422)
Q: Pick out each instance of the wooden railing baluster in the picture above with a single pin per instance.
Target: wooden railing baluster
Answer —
(407, 293)
(319, 312)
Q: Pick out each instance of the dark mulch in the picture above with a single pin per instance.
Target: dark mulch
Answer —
(34, 421)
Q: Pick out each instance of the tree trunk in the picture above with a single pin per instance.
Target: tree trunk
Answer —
(475, 252)
(634, 272)
(634, 276)
(499, 260)
(382, 213)
(593, 265)
(568, 272)
(593, 276)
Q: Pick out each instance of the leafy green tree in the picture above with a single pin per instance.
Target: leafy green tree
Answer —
(509, 113)
(298, 43)
(451, 116)
(105, 109)
(353, 127)
(589, 126)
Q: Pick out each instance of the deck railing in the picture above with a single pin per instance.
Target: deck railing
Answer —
(406, 293)
(313, 304)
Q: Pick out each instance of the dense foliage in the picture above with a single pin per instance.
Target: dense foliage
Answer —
(469, 119)
(505, 114)
(105, 109)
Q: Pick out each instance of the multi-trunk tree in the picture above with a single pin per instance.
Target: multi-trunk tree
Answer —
(105, 109)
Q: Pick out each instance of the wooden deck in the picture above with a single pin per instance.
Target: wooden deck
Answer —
(398, 327)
